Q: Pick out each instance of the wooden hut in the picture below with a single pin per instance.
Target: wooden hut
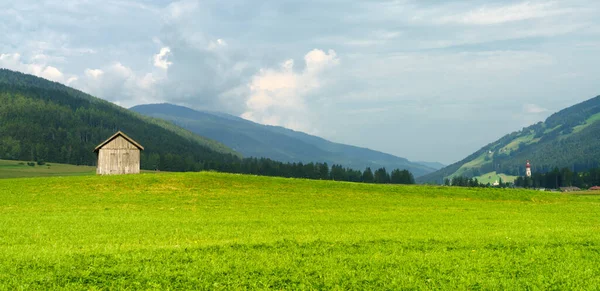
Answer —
(118, 155)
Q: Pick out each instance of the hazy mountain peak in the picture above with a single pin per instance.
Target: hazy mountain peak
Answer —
(275, 142)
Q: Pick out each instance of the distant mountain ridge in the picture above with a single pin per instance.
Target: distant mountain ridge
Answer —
(569, 138)
(433, 165)
(274, 142)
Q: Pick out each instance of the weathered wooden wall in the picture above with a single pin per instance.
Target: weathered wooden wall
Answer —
(118, 157)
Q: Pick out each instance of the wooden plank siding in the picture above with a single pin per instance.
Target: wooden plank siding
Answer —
(117, 157)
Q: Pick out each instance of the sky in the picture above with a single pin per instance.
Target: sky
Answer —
(421, 79)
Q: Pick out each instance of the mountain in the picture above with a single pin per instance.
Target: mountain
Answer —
(569, 138)
(277, 143)
(433, 165)
(42, 120)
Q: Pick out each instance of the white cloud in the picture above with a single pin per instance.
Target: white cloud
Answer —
(120, 84)
(36, 66)
(219, 43)
(278, 96)
(93, 73)
(52, 73)
(533, 109)
(179, 8)
(71, 80)
(502, 14)
(160, 59)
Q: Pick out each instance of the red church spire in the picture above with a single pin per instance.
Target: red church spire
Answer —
(528, 169)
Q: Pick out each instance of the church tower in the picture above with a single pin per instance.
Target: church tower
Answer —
(528, 169)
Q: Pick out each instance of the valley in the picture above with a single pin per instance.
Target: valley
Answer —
(299, 145)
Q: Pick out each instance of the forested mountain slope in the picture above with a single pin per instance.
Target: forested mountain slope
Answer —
(42, 120)
(569, 138)
(277, 143)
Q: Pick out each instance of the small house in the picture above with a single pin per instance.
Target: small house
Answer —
(118, 155)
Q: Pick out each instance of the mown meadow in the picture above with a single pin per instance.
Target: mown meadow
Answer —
(21, 169)
(220, 231)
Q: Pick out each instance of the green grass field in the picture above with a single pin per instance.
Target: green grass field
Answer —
(19, 169)
(220, 231)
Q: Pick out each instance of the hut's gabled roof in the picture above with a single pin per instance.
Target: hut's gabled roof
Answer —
(119, 133)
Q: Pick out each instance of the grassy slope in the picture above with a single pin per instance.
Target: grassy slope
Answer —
(18, 169)
(588, 122)
(468, 166)
(493, 177)
(514, 144)
(219, 231)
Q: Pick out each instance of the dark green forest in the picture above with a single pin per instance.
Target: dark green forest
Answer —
(43, 121)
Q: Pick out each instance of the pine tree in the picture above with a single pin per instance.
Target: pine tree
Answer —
(367, 176)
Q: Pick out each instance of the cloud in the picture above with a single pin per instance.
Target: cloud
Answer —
(93, 73)
(36, 66)
(121, 84)
(533, 109)
(160, 59)
(278, 96)
(219, 43)
(52, 73)
(180, 8)
(487, 15)
(208, 70)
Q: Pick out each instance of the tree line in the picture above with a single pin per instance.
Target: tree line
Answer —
(564, 177)
(555, 179)
(268, 167)
(462, 181)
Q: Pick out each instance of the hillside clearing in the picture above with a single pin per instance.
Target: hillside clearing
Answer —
(221, 231)
(493, 177)
(479, 161)
(513, 145)
(588, 122)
